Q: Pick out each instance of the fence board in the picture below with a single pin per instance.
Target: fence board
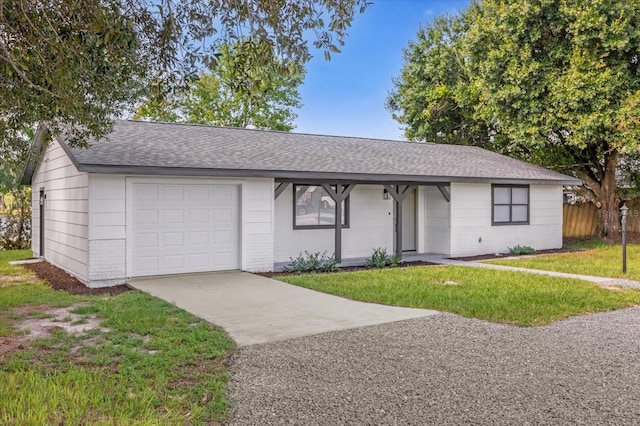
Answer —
(580, 220)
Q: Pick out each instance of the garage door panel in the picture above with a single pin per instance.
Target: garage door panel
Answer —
(198, 238)
(146, 217)
(198, 216)
(172, 239)
(222, 194)
(173, 216)
(144, 193)
(199, 260)
(184, 228)
(147, 239)
(147, 263)
(173, 193)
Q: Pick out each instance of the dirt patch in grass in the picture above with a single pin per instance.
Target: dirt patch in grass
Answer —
(8, 280)
(42, 321)
(57, 319)
(60, 280)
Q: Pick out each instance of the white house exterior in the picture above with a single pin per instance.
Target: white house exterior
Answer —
(158, 199)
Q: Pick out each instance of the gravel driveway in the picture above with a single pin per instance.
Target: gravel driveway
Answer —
(446, 369)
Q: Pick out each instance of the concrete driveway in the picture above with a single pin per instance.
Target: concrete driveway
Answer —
(254, 309)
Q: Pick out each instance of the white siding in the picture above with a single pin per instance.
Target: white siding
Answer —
(109, 206)
(437, 221)
(107, 230)
(370, 226)
(473, 234)
(66, 212)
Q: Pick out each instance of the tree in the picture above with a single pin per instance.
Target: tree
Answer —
(557, 81)
(78, 64)
(432, 98)
(15, 210)
(242, 89)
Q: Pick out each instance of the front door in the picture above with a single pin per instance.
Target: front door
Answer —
(409, 222)
(42, 199)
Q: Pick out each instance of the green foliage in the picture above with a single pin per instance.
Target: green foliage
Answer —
(521, 250)
(76, 65)
(15, 219)
(509, 297)
(432, 98)
(551, 82)
(380, 259)
(243, 88)
(312, 262)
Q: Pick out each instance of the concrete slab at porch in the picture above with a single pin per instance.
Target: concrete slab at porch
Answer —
(255, 309)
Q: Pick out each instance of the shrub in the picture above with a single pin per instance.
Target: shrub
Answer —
(380, 259)
(15, 219)
(520, 250)
(312, 262)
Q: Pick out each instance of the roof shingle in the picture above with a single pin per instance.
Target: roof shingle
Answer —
(167, 148)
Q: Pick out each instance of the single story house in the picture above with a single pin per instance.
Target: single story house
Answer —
(163, 198)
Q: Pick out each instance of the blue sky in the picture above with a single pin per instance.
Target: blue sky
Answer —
(346, 96)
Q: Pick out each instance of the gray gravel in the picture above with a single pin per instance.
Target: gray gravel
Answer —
(446, 369)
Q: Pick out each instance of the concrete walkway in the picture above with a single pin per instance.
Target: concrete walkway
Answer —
(254, 309)
(604, 281)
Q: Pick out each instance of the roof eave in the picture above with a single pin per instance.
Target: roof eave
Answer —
(35, 151)
(308, 176)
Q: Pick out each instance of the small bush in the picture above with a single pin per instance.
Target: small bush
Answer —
(380, 259)
(312, 262)
(15, 232)
(520, 250)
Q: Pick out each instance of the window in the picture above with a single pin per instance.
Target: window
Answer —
(510, 205)
(313, 207)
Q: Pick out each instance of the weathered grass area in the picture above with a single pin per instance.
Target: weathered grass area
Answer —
(498, 296)
(597, 258)
(147, 363)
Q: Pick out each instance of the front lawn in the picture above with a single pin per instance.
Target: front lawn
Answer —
(143, 361)
(499, 296)
(599, 259)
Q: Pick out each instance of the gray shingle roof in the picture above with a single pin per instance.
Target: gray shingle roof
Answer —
(139, 147)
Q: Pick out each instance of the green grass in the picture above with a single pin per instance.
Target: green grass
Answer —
(499, 296)
(150, 363)
(597, 258)
(7, 256)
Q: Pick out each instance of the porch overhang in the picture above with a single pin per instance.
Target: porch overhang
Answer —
(397, 189)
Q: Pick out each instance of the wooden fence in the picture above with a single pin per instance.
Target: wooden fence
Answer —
(581, 220)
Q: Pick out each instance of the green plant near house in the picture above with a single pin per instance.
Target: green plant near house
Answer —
(313, 262)
(521, 250)
(380, 259)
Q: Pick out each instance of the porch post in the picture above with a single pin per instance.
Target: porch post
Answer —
(399, 194)
(339, 195)
(338, 225)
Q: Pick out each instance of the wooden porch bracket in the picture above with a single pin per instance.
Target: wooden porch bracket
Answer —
(338, 195)
(280, 189)
(445, 192)
(399, 193)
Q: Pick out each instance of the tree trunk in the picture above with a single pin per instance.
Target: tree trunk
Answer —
(609, 223)
(606, 194)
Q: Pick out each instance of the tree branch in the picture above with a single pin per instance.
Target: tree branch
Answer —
(23, 76)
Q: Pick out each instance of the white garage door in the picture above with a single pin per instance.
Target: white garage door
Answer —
(183, 228)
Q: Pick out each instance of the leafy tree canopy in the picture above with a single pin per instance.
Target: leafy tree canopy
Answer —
(241, 90)
(81, 63)
(433, 99)
(554, 82)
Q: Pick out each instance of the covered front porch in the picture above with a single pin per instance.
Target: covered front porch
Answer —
(395, 215)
